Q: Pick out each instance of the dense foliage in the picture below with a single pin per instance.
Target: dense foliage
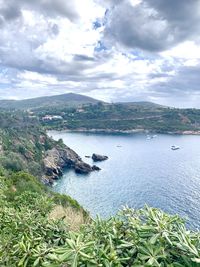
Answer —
(29, 237)
(27, 233)
(123, 117)
(23, 142)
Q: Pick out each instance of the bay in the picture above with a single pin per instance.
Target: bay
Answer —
(138, 172)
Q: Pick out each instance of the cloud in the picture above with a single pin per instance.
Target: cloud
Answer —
(114, 50)
(153, 25)
(11, 9)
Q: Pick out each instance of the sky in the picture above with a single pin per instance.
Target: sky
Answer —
(112, 50)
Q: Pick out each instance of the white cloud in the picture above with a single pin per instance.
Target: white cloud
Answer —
(136, 50)
(187, 50)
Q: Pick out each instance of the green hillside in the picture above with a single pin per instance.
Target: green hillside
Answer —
(127, 117)
(69, 99)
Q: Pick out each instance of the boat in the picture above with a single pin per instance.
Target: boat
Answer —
(149, 137)
(175, 147)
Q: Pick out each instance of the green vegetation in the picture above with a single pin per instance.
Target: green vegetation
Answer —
(31, 237)
(41, 228)
(27, 234)
(80, 112)
(69, 99)
(123, 117)
(23, 143)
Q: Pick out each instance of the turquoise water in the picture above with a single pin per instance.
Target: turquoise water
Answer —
(138, 172)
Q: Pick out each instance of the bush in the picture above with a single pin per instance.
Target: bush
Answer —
(147, 237)
(21, 149)
(21, 182)
(13, 162)
(35, 168)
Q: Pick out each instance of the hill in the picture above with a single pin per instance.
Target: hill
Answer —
(69, 99)
(124, 117)
(82, 113)
(141, 104)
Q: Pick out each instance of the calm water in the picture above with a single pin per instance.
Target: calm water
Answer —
(140, 171)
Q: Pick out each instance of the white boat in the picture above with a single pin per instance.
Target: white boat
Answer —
(175, 147)
(149, 137)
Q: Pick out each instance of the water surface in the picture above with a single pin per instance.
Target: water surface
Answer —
(138, 172)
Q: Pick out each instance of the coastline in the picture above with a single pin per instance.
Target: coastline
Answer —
(133, 131)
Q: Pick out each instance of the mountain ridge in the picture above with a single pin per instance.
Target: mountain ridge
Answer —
(70, 99)
(45, 101)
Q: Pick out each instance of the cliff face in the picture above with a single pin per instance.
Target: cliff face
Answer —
(24, 146)
(57, 159)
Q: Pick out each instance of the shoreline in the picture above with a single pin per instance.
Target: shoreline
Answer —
(133, 131)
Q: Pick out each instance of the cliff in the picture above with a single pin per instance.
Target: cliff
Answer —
(24, 146)
(57, 159)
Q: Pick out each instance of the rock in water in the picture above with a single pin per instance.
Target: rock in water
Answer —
(96, 168)
(82, 168)
(97, 157)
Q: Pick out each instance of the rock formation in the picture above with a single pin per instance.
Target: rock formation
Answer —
(97, 157)
(58, 158)
(96, 168)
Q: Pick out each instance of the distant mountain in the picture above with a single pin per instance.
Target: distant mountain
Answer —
(141, 104)
(69, 99)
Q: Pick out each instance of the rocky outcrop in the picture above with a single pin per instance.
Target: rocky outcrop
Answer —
(83, 168)
(58, 158)
(97, 157)
(96, 168)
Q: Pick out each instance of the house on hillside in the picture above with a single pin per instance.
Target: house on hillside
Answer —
(51, 118)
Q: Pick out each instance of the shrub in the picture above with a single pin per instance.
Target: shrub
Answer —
(13, 162)
(21, 182)
(147, 237)
(35, 168)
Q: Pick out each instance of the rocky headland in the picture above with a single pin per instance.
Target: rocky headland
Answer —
(57, 159)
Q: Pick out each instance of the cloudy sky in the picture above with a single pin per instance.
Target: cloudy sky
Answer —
(114, 50)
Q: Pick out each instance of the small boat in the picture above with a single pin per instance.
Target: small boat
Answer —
(175, 147)
(149, 137)
(87, 157)
(119, 146)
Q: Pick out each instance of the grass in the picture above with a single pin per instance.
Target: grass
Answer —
(69, 215)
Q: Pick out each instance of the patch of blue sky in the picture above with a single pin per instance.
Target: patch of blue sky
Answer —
(139, 55)
(100, 47)
(97, 25)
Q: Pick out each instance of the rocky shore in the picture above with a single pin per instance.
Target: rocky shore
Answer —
(132, 131)
(57, 159)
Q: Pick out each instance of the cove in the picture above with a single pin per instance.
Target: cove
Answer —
(138, 172)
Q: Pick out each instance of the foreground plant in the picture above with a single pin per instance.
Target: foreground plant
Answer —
(147, 237)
